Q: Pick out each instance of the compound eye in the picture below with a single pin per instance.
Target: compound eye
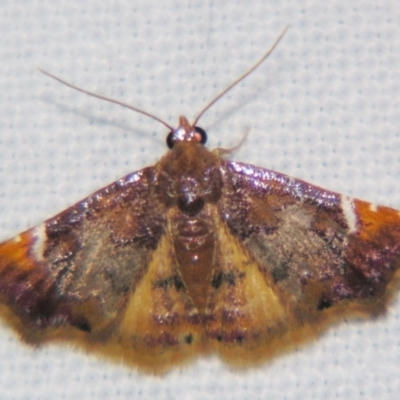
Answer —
(170, 140)
(202, 133)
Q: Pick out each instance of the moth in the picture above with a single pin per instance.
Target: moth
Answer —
(198, 255)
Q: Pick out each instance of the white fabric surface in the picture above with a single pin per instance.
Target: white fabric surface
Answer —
(324, 108)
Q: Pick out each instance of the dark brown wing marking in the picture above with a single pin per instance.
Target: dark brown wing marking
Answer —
(78, 268)
(322, 248)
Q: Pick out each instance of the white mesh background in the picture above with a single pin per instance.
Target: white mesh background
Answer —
(324, 108)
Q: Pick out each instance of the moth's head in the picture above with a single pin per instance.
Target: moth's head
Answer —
(186, 132)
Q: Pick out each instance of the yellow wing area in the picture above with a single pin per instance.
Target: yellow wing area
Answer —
(160, 327)
(253, 319)
(245, 319)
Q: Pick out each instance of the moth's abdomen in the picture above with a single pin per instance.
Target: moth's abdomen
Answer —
(194, 243)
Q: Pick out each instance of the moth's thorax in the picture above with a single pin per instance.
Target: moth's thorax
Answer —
(188, 177)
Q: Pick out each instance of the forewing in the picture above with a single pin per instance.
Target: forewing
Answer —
(77, 270)
(320, 255)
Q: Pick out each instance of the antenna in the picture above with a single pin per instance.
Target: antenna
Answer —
(246, 74)
(120, 103)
